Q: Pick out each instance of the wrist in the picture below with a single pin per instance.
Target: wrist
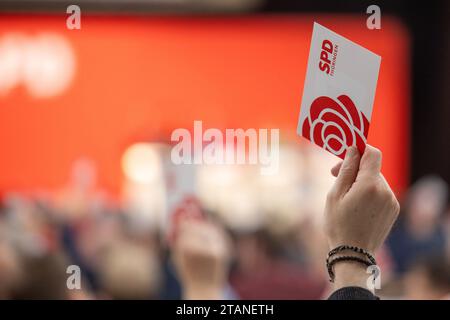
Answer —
(350, 274)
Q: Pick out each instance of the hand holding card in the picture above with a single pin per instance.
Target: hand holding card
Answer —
(339, 92)
(188, 209)
(201, 252)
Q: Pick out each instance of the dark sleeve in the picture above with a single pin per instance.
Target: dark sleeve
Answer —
(353, 293)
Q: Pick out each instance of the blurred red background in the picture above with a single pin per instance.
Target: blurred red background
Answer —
(137, 78)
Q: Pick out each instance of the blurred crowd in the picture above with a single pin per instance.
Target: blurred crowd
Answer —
(218, 240)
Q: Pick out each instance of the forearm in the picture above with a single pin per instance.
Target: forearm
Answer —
(202, 293)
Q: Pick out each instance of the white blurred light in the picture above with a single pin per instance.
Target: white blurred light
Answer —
(49, 65)
(144, 189)
(11, 58)
(44, 64)
(290, 170)
(239, 208)
(141, 163)
(281, 194)
(230, 191)
(219, 175)
(145, 204)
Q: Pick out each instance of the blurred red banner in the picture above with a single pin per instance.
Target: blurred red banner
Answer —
(66, 94)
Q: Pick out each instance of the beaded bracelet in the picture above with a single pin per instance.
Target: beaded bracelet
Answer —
(352, 248)
(331, 263)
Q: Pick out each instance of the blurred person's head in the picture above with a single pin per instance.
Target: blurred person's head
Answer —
(43, 277)
(255, 250)
(426, 202)
(10, 270)
(96, 232)
(129, 271)
(428, 279)
(30, 225)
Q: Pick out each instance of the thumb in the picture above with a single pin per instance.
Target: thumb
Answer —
(348, 172)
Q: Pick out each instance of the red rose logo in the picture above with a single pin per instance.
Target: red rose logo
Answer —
(336, 125)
